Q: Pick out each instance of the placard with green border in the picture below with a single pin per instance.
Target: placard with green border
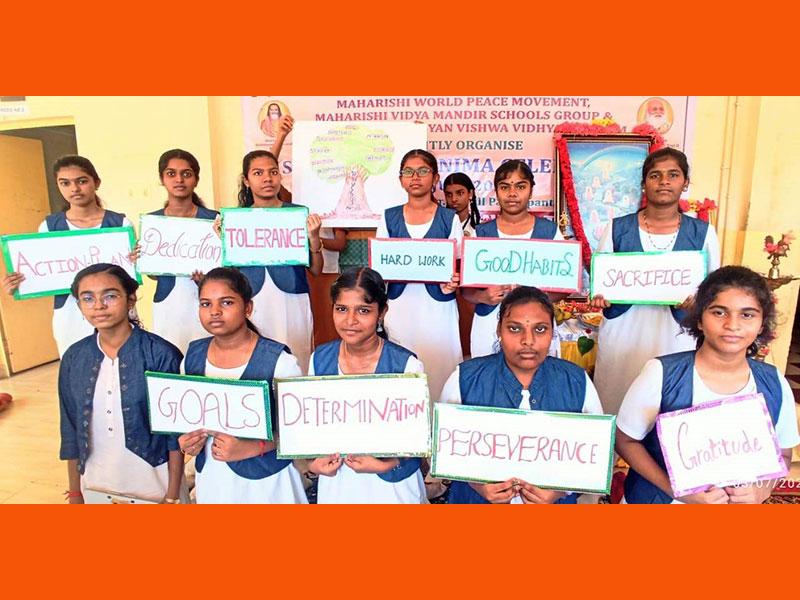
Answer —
(329, 437)
(256, 227)
(608, 457)
(60, 283)
(260, 432)
(667, 261)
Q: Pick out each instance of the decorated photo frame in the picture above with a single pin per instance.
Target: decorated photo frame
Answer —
(598, 177)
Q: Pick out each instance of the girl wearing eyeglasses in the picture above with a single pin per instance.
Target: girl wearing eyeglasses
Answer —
(513, 182)
(105, 425)
(424, 317)
(78, 183)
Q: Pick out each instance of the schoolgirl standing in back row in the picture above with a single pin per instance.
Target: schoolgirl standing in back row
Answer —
(513, 182)
(175, 302)
(631, 335)
(281, 301)
(424, 317)
(78, 183)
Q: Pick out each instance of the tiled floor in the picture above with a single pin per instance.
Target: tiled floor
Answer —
(30, 471)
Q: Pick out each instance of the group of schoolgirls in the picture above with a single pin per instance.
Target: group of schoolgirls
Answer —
(255, 336)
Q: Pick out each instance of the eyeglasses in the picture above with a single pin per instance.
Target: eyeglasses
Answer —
(107, 299)
(408, 172)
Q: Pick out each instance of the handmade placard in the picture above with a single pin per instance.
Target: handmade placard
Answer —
(51, 260)
(377, 415)
(648, 277)
(184, 403)
(552, 265)
(265, 236)
(427, 261)
(177, 246)
(560, 451)
(725, 442)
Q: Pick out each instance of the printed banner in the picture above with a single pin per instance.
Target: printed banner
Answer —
(429, 261)
(51, 260)
(377, 415)
(348, 172)
(184, 403)
(265, 236)
(552, 265)
(648, 277)
(469, 134)
(177, 246)
(725, 442)
(560, 451)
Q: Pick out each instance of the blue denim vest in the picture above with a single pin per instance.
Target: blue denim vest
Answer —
(58, 222)
(558, 385)
(625, 232)
(77, 379)
(677, 394)
(543, 229)
(393, 360)
(261, 367)
(165, 283)
(439, 230)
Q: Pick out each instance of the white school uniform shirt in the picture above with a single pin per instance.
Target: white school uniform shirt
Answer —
(111, 467)
(218, 484)
(483, 336)
(69, 326)
(425, 326)
(349, 487)
(642, 404)
(330, 258)
(644, 331)
(451, 394)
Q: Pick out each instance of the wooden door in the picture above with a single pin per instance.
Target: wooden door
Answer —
(26, 325)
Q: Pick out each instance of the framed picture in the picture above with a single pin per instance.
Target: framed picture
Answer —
(598, 178)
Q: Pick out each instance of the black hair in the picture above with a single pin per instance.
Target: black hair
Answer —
(733, 277)
(237, 282)
(245, 193)
(466, 181)
(428, 158)
(81, 162)
(366, 280)
(664, 153)
(179, 154)
(512, 166)
(276, 105)
(128, 283)
(524, 295)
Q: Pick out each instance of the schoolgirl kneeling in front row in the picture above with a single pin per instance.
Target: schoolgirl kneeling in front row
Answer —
(105, 424)
(359, 307)
(231, 470)
(521, 376)
(733, 311)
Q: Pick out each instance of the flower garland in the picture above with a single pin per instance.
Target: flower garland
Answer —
(598, 127)
(702, 209)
